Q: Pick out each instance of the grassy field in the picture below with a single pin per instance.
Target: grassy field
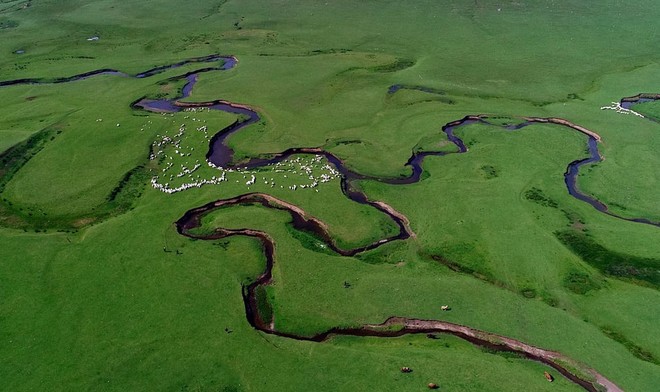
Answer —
(99, 292)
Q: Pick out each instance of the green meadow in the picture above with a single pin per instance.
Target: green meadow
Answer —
(98, 291)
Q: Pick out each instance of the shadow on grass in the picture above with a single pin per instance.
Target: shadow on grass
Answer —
(633, 269)
(634, 349)
(120, 199)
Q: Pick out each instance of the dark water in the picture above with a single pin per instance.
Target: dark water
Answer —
(628, 103)
(572, 171)
(396, 87)
(228, 63)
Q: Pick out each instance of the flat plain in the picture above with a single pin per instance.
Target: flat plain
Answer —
(99, 289)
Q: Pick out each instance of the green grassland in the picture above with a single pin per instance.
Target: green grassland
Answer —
(99, 292)
(649, 109)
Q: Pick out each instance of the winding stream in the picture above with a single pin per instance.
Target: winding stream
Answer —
(629, 102)
(393, 326)
(221, 155)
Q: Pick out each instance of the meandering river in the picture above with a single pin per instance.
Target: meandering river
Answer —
(221, 155)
